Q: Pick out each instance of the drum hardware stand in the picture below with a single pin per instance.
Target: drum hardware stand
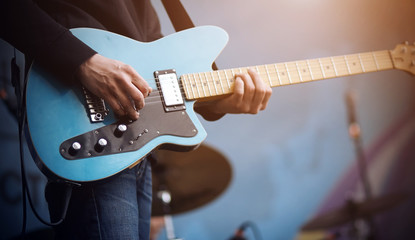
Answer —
(165, 197)
(355, 135)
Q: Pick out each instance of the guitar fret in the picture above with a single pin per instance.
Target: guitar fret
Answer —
(227, 78)
(278, 74)
(188, 85)
(213, 81)
(207, 81)
(194, 86)
(303, 71)
(257, 70)
(220, 81)
(202, 84)
(355, 67)
(384, 59)
(361, 64)
(299, 73)
(284, 75)
(269, 77)
(288, 73)
(197, 85)
(347, 64)
(322, 69)
(369, 62)
(185, 83)
(376, 62)
(309, 69)
(334, 66)
(340, 66)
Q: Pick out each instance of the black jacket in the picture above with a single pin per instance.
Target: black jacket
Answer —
(39, 28)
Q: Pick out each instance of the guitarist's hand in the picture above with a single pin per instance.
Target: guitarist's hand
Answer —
(117, 83)
(250, 95)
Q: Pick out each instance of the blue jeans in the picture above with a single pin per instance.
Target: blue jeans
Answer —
(116, 208)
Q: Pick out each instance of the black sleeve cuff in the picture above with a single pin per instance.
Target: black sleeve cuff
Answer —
(64, 56)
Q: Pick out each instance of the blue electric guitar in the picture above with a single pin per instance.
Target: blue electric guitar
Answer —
(74, 136)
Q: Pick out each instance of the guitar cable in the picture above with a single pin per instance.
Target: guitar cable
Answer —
(21, 119)
(239, 233)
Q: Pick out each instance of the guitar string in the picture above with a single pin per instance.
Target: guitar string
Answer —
(328, 67)
(315, 70)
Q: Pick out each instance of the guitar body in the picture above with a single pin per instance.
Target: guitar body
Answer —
(73, 137)
(56, 114)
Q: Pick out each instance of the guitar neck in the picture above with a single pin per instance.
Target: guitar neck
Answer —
(205, 85)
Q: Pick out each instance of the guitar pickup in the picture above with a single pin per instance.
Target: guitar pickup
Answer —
(170, 90)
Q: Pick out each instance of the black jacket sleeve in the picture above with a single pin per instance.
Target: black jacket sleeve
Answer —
(27, 27)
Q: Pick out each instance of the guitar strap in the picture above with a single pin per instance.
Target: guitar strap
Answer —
(179, 17)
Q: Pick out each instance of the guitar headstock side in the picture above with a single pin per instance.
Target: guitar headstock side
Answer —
(403, 57)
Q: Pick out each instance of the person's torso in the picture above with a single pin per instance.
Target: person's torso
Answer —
(136, 19)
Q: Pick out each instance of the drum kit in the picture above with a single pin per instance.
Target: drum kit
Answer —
(185, 181)
(350, 213)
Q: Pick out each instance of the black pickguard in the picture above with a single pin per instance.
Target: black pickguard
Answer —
(154, 121)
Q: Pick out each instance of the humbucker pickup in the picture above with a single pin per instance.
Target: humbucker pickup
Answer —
(170, 90)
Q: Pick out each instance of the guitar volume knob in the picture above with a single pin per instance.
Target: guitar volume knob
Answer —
(74, 149)
(101, 144)
(120, 130)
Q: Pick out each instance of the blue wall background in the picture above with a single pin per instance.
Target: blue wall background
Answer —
(294, 160)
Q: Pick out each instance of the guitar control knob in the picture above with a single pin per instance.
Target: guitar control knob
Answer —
(74, 149)
(120, 130)
(101, 144)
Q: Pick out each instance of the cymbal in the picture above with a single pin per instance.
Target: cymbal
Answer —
(192, 178)
(354, 210)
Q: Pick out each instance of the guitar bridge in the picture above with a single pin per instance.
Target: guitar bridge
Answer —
(95, 106)
(170, 90)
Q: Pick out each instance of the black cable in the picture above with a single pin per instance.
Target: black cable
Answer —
(15, 78)
(254, 228)
(247, 224)
(27, 190)
(21, 117)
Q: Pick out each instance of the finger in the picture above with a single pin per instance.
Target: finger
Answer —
(131, 98)
(260, 91)
(238, 92)
(249, 88)
(136, 95)
(267, 96)
(115, 106)
(126, 104)
(138, 81)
